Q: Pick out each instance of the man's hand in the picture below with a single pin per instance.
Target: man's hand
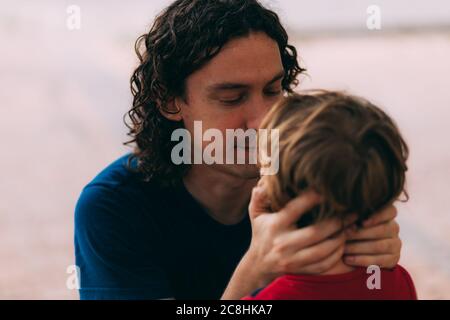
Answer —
(376, 243)
(279, 247)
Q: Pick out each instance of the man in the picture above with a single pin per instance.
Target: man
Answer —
(146, 228)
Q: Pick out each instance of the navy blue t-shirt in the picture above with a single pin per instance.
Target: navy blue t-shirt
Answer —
(139, 240)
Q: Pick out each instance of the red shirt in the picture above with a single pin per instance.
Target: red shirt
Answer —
(395, 284)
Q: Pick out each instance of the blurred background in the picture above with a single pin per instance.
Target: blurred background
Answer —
(63, 93)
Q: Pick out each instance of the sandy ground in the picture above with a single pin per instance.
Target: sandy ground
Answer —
(62, 98)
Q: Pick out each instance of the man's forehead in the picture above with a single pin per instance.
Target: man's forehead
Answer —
(237, 81)
(244, 60)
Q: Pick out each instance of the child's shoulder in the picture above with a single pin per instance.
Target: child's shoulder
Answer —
(395, 283)
(402, 281)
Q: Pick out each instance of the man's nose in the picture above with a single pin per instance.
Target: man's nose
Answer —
(256, 111)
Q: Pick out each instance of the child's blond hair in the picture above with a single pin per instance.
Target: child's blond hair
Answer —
(343, 147)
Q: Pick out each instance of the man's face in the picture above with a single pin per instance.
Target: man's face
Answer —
(234, 91)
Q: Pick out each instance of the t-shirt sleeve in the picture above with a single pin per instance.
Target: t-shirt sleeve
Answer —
(114, 260)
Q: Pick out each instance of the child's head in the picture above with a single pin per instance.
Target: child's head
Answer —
(341, 146)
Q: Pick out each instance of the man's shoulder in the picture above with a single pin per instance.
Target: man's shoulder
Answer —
(117, 189)
(122, 178)
(119, 173)
(119, 246)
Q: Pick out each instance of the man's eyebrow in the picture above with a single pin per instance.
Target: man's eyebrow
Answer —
(227, 86)
(235, 85)
(279, 76)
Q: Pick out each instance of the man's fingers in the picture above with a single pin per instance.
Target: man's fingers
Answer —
(382, 231)
(350, 219)
(325, 264)
(314, 254)
(387, 214)
(298, 206)
(385, 246)
(259, 202)
(308, 236)
(383, 261)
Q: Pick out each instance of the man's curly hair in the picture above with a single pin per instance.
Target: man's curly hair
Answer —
(183, 38)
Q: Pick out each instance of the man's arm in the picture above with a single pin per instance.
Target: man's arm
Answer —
(115, 263)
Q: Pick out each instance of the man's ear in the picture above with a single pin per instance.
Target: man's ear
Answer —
(171, 110)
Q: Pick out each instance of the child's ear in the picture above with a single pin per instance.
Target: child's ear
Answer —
(171, 110)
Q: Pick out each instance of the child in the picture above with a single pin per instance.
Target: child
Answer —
(352, 154)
